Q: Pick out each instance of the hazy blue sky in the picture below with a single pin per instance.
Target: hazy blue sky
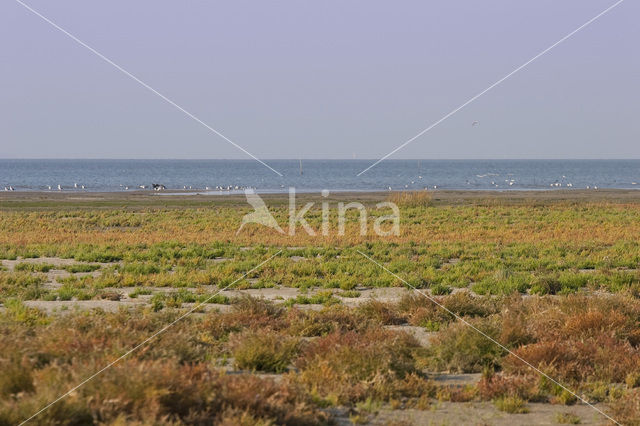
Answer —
(321, 79)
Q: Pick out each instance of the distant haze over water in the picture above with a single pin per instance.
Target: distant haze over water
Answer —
(335, 175)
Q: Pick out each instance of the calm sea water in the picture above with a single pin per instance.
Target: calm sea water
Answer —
(335, 175)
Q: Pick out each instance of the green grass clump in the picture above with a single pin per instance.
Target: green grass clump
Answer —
(21, 285)
(177, 298)
(349, 293)
(264, 351)
(81, 267)
(217, 299)
(140, 291)
(34, 267)
(511, 405)
(632, 380)
(440, 289)
(139, 268)
(69, 292)
(567, 419)
(18, 312)
(320, 298)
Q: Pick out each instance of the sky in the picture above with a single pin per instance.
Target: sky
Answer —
(319, 79)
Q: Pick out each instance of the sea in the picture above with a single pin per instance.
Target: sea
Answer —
(232, 176)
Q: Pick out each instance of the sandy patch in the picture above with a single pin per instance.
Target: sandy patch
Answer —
(481, 413)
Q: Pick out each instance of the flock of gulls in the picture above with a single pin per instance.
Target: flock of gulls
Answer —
(153, 186)
(507, 183)
(417, 182)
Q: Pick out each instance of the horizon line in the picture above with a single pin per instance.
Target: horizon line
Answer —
(321, 159)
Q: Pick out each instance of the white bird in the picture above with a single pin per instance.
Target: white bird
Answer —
(6, 189)
(49, 186)
(59, 187)
(82, 186)
(75, 185)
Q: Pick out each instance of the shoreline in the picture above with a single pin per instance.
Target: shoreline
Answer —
(49, 198)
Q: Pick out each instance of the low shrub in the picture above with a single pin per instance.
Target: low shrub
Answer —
(16, 376)
(33, 267)
(81, 267)
(334, 318)
(511, 404)
(380, 312)
(567, 419)
(349, 367)
(626, 409)
(320, 298)
(263, 351)
(462, 349)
